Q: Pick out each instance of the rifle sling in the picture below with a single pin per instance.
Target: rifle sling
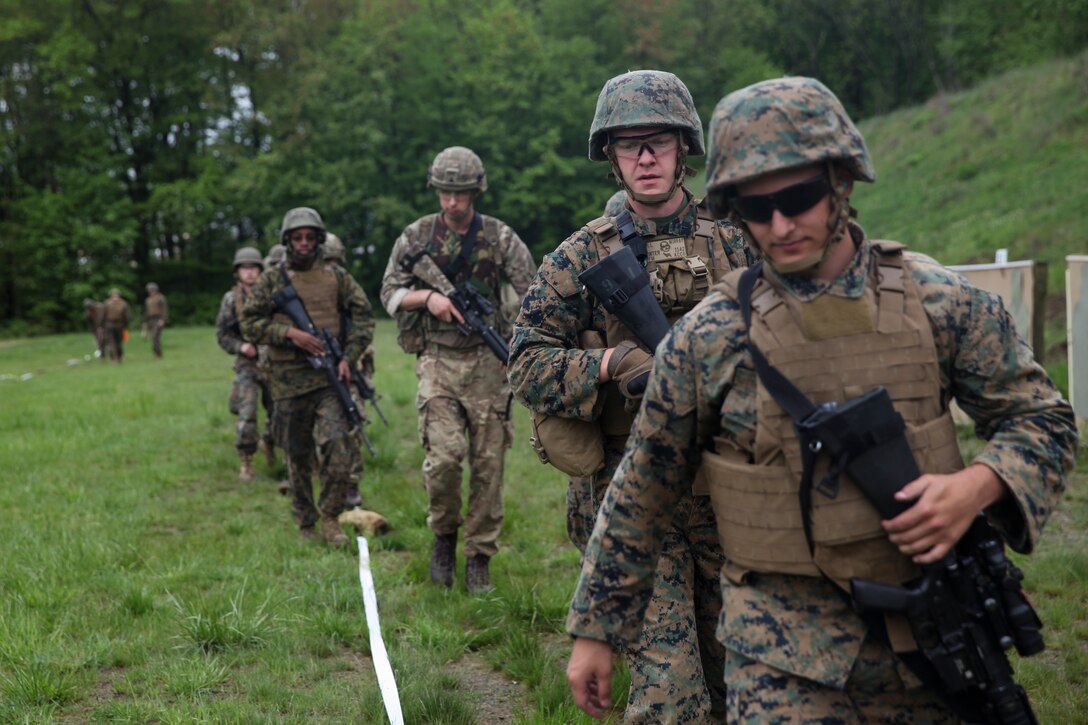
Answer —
(468, 244)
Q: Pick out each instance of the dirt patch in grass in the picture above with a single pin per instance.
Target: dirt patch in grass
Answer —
(498, 699)
(100, 694)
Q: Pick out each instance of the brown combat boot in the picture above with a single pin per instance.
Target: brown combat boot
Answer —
(334, 535)
(476, 575)
(443, 557)
(246, 471)
(284, 487)
(308, 533)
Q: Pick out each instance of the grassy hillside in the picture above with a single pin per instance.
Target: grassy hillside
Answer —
(1002, 165)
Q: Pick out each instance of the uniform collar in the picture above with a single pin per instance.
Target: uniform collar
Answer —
(681, 224)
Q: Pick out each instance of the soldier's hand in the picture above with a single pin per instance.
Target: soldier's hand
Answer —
(248, 349)
(440, 306)
(629, 365)
(589, 673)
(343, 371)
(306, 341)
(944, 507)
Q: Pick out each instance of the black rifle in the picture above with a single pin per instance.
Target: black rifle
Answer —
(966, 610)
(288, 301)
(473, 307)
(366, 390)
(468, 300)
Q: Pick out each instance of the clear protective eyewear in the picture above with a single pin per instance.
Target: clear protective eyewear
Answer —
(631, 147)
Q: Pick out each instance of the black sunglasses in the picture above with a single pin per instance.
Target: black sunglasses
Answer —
(791, 201)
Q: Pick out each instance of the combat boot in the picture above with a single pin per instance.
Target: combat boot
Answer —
(443, 557)
(477, 577)
(246, 471)
(308, 533)
(334, 535)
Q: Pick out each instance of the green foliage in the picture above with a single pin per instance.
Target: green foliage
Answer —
(148, 140)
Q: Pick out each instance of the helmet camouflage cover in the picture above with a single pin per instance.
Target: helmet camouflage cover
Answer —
(299, 217)
(275, 255)
(644, 98)
(247, 255)
(334, 248)
(457, 169)
(614, 205)
(776, 125)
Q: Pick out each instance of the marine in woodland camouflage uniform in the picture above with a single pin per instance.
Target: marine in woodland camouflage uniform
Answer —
(156, 315)
(306, 405)
(250, 388)
(92, 314)
(115, 318)
(462, 386)
(783, 159)
(573, 361)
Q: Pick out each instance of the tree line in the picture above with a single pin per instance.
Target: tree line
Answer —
(147, 140)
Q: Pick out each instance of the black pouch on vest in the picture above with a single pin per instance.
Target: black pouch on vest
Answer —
(866, 438)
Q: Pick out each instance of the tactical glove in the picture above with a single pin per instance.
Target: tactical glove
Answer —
(629, 366)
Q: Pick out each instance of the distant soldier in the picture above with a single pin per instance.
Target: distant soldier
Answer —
(462, 386)
(115, 318)
(155, 317)
(307, 406)
(92, 314)
(249, 384)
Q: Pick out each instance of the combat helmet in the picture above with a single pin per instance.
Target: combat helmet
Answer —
(298, 218)
(151, 287)
(457, 169)
(782, 124)
(334, 248)
(646, 98)
(247, 255)
(275, 255)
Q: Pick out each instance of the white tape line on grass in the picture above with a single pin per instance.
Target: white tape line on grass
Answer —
(386, 682)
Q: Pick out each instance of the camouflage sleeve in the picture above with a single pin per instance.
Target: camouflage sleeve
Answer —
(257, 325)
(1029, 429)
(548, 372)
(737, 250)
(691, 376)
(396, 282)
(518, 265)
(355, 303)
(226, 323)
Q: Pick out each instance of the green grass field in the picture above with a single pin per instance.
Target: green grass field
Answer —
(144, 583)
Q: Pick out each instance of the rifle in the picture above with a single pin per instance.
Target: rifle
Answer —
(468, 300)
(366, 391)
(966, 610)
(288, 301)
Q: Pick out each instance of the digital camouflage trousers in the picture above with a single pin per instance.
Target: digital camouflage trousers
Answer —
(248, 391)
(677, 667)
(315, 427)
